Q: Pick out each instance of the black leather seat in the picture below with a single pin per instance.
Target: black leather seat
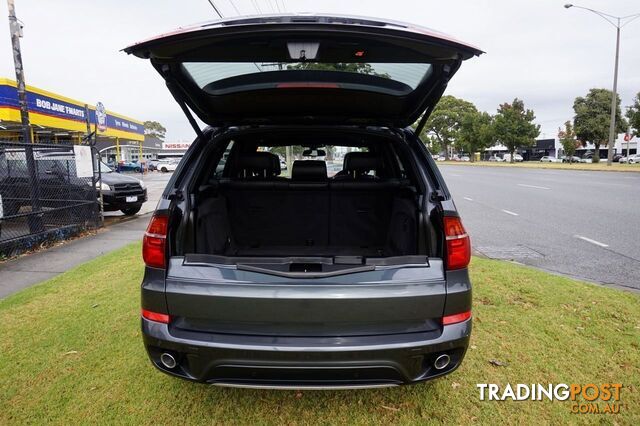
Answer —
(259, 165)
(263, 213)
(357, 165)
(309, 170)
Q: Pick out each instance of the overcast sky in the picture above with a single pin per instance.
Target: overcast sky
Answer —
(536, 50)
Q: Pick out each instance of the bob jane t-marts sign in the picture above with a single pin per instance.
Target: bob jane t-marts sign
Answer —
(58, 112)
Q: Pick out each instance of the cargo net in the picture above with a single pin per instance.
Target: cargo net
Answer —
(47, 193)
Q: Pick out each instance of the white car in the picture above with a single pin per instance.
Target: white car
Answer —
(516, 157)
(166, 166)
(634, 159)
(550, 159)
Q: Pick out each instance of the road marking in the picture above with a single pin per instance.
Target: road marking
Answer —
(454, 175)
(468, 199)
(533, 186)
(510, 212)
(589, 240)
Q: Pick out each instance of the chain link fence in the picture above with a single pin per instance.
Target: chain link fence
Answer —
(46, 194)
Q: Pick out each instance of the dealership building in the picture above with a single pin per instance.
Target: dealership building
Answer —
(58, 119)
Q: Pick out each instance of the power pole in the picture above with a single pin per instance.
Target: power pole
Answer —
(35, 219)
(614, 101)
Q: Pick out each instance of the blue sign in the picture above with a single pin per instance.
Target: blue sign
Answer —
(58, 108)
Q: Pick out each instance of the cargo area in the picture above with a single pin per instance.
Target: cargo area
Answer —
(351, 198)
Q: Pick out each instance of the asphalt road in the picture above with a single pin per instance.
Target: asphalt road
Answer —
(584, 224)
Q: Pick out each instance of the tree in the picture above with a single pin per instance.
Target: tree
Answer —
(593, 118)
(476, 132)
(568, 140)
(154, 129)
(443, 126)
(513, 126)
(353, 67)
(633, 114)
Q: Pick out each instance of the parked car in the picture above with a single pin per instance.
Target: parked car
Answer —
(153, 165)
(617, 157)
(549, 159)
(571, 159)
(495, 158)
(128, 166)
(58, 184)
(587, 157)
(121, 192)
(257, 280)
(632, 159)
(465, 158)
(167, 166)
(516, 158)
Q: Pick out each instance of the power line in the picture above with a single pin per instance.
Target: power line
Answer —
(277, 6)
(234, 7)
(215, 8)
(255, 4)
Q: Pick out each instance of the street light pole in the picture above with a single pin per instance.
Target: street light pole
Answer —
(614, 100)
(618, 22)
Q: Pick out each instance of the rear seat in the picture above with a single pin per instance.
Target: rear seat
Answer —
(361, 204)
(309, 210)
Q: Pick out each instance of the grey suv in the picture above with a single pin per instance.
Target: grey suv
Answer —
(347, 270)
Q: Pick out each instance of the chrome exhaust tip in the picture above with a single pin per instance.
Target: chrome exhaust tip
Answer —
(168, 360)
(442, 362)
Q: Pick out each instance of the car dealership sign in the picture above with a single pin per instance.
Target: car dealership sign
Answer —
(176, 145)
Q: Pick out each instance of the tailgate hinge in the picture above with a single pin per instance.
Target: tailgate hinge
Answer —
(176, 194)
(437, 195)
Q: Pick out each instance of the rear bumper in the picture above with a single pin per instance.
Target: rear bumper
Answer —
(295, 362)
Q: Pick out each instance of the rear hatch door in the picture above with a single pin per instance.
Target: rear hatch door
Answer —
(207, 297)
(305, 68)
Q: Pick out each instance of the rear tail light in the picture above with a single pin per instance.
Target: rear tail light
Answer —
(155, 316)
(153, 243)
(456, 318)
(458, 243)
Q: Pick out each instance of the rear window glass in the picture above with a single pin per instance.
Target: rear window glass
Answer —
(410, 74)
(333, 156)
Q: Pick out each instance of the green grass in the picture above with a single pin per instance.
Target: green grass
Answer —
(601, 167)
(70, 351)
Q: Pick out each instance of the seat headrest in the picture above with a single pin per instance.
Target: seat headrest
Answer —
(276, 164)
(309, 170)
(260, 164)
(361, 162)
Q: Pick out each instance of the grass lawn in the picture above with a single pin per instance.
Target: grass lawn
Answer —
(70, 351)
(601, 167)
